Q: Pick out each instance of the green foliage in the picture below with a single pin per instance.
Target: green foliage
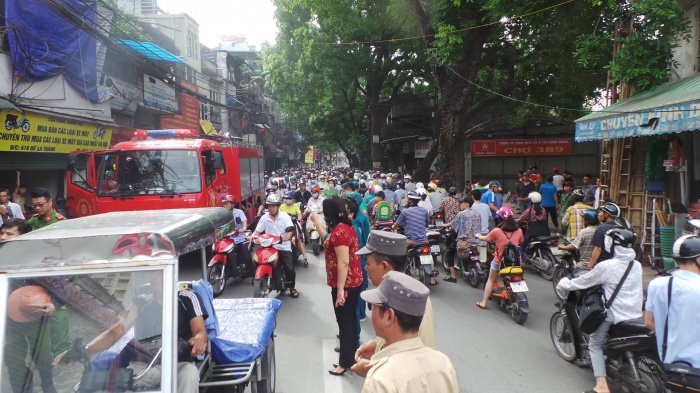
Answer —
(124, 25)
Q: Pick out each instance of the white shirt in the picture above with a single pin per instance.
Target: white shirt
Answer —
(485, 213)
(427, 206)
(14, 210)
(558, 181)
(276, 228)
(315, 202)
(628, 303)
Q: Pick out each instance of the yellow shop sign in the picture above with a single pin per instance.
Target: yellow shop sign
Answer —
(34, 132)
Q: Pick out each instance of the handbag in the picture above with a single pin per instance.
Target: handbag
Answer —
(678, 376)
(537, 228)
(594, 307)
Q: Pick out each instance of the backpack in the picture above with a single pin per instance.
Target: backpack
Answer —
(384, 212)
(511, 253)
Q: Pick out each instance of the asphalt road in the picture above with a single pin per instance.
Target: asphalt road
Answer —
(489, 351)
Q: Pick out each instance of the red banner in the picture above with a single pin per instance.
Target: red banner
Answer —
(521, 147)
(189, 118)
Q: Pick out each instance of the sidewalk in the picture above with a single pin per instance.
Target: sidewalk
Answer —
(648, 273)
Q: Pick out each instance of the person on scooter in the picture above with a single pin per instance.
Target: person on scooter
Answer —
(626, 306)
(415, 221)
(291, 208)
(316, 201)
(382, 212)
(583, 242)
(606, 215)
(573, 217)
(535, 219)
(275, 222)
(302, 195)
(506, 231)
(682, 317)
(241, 224)
(466, 225)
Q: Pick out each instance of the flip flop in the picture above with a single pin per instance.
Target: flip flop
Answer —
(294, 293)
(306, 263)
(432, 284)
(478, 304)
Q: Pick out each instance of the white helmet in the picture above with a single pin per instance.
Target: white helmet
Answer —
(377, 189)
(420, 185)
(420, 191)
(535, 197)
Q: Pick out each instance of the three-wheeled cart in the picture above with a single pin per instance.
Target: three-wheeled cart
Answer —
(101, 294)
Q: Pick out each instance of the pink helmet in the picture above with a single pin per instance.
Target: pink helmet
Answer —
(229, 198)
(505, 212)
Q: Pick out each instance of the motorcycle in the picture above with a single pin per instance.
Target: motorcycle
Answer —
(467, 268)
(269, 272)
(223, 265)
(439, 219)
(564, 268)
(433, 234)
(11, 122)
(631, 357)
(420, 263)
(511, 295)
(538, 254)
(314, 237)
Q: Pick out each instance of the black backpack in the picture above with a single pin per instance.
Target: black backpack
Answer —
(511, 253)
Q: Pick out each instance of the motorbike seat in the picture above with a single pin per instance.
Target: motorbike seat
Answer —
(632, 326)
(510, 270)
(545, 238)
(417, 247)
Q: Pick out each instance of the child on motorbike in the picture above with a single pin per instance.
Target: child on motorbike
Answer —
(290, 207)
(507, 231)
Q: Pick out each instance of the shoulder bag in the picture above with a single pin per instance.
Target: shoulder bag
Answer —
(594, 307)
(537, 228)
(679, 376)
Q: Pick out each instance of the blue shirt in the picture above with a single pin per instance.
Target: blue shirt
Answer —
(683, 318)
(497, 199)
(548, 190)
(238, 218)
(414, 221)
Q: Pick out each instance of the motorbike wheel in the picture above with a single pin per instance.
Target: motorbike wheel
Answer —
(650, 375)
(519, 315)
(443, 257)
(423, 277)
(25, 126)
(316, 246)
(562, 337)
(474, 278)
(217, 278)
(261, 288)
(549, 274)
(559, 273)
(8, 125)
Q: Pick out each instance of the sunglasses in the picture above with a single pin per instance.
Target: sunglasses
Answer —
(39, 205)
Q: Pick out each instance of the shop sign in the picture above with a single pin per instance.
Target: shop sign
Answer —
(375, 139)
(521, 147)
(157, 94)
(125, 96)
(39, 133)
(309, 156)
(422, 148)
(189, 118)
(376, 165)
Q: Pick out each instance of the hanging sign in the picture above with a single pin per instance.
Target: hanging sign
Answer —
(521, 147)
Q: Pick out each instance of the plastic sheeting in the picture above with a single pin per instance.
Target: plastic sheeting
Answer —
(246, 327)
(44, 44)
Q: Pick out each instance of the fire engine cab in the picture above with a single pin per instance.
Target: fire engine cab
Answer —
(165, 169)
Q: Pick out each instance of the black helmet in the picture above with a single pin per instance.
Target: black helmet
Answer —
(413, 195)
(612, 209)
(590, 216)
(453, 191)
(687, 247)
(385, 185)
(401, 183)
(622, 237)
(577, 194)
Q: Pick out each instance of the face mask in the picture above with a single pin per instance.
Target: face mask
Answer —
(288, 201)
(274, 188)
(315, 195)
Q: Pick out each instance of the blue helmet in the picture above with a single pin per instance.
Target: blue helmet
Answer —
(590, 216)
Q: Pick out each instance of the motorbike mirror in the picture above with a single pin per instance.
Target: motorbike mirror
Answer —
(289, 229)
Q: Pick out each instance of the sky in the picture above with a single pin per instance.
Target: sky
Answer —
(252, 18)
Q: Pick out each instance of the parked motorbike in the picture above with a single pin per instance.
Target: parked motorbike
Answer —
(12, 122)
(420, 263)
(314, 237)
(224, 264)
(631, 357)
(511, 296)
(564, 268)
(269, 272)
(538, 255)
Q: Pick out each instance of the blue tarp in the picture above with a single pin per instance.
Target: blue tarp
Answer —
(247, 325)
(148, 50)
(44, 44)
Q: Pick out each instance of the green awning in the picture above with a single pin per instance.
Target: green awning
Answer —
(669, 108)
(5, 104)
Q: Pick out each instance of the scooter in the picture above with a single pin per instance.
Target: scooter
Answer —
(538, 255)
(314, 237)
(631, 356)
(433, 234)
(564, 268)
(420, 262)
(511, 295)
(467, 268)
(269, 272)
(439, 219)
(224, 265)
(11, 122)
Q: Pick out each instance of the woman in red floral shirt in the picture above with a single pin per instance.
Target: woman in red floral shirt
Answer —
(344, 276)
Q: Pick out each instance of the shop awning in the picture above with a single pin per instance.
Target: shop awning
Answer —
(671, 107)
(148, 50)
(5, 104)
(208, 127)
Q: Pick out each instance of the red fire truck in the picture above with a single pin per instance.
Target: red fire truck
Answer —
(164, 169)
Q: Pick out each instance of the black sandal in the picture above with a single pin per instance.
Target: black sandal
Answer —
(294, 293)
(306, 262)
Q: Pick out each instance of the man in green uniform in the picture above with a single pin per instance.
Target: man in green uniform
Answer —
(44, 214)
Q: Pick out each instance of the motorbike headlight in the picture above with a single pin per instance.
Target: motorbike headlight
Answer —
(266, 242)
(229, 248)
(273, 258)
(213, 247)
(255, 257)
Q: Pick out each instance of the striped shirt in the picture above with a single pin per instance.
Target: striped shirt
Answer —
(414, 221)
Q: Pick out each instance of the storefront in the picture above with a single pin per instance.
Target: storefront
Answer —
(37, 144)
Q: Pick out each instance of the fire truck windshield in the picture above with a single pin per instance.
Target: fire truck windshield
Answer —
(150, 172)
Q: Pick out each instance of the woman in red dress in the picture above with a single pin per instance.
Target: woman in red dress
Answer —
(344, 276)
